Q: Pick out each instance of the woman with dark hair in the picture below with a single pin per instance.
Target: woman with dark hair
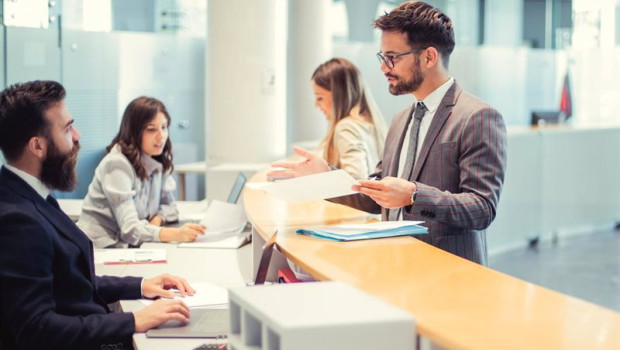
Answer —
(131, 195)
(354, 141)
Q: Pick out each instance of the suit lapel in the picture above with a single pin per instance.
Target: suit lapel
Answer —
(63, 224)
(441, 116)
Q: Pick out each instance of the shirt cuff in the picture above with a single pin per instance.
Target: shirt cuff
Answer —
(156, 231)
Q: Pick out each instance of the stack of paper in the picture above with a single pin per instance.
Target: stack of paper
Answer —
(130, 256)
(354, 232)
(310, 187)
(207, 295)
(225, 223)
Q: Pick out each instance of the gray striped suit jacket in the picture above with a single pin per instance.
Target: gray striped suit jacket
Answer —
(459, 172)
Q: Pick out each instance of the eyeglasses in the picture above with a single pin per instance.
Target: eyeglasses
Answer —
(389, 59)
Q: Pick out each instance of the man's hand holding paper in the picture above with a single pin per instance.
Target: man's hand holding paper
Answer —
(389, 192)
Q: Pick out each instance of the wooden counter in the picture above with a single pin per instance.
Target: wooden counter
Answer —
(457, 304)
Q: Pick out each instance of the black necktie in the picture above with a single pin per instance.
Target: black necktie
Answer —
(51, 200)
(418, 114)
(420, 109)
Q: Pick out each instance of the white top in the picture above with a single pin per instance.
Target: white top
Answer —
(119, 204)
(431, 102)
(356, 146)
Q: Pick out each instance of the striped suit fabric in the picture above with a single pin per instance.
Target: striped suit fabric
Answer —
(459, 172)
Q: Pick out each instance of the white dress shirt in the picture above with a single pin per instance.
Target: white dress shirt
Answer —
(431, 102)
(35, 183)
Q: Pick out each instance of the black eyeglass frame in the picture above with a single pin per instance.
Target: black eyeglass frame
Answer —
(389, 59)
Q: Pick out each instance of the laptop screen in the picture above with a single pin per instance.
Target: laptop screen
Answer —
(263, 265)
(235, 191)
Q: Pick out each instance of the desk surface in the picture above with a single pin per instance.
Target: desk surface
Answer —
(223, 267)
(457, 304)
(195, 167)
(188, 210)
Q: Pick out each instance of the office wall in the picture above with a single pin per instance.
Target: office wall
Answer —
(103, 72)
(516, 81)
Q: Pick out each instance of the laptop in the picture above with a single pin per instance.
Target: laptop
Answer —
(237, 188)
(233, 198)
(211, 323)
(203, 323)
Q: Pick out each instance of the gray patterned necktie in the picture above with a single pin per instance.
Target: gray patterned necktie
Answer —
(418, 114)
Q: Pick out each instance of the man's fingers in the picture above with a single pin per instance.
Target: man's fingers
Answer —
(175, 316)
(177, 307)
(372, 193)
(378, 185)
(304, 153)
(181, 288)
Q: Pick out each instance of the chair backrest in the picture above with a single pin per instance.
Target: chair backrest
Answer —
(265, 259)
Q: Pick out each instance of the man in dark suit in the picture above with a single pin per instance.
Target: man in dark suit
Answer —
(445, 157)
(50, 297)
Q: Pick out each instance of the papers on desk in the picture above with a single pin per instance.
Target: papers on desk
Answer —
(225, 223)
(207, 295)
(354, 232)
(329, 184)
(130, 256)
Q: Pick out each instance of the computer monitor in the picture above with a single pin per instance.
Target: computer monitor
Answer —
(235, 191)
(547, 117)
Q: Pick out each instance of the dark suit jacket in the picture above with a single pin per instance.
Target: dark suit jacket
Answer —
(50, 297)
(459, 173)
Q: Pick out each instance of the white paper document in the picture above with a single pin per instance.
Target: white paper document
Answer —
(207, 295)
(130, 256)
(222, 240)
(224, 217)
(225, 223)
(329, 184)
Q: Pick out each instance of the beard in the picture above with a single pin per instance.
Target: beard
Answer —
(58, 168)
(406, 87)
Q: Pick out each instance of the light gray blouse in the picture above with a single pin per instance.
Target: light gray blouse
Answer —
(356, 146)
(119, 204)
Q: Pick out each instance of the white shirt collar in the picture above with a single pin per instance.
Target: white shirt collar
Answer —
(433, 100)
(35, 183)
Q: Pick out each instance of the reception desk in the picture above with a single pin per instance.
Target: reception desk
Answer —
(457, 304)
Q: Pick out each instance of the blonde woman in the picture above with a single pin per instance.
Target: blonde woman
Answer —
(356, 135)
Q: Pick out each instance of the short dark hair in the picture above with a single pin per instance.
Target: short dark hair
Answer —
(424, 24)
(136, 117)
(22, 113)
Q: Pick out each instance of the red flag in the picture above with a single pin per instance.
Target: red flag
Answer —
(566, 103)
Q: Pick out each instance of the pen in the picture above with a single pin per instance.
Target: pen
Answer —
(136, 260)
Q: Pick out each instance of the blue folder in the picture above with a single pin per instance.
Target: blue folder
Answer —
(366, 231)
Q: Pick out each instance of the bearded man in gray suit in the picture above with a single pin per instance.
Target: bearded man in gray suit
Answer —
(445, 157)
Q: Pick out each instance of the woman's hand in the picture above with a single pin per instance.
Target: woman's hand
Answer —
(186, 233)
(156, 220)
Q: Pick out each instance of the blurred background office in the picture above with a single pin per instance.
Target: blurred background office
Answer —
(235, 76)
